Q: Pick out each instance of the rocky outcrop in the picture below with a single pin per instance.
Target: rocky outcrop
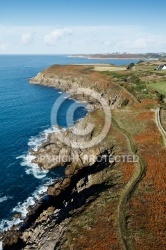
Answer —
(58, 150)
(72, 78)
(47, 222)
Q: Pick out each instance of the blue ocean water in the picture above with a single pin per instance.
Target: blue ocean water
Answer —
(24, 121)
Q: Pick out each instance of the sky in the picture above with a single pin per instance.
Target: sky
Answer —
(82, 26)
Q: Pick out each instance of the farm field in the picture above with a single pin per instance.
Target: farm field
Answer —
(159, 87)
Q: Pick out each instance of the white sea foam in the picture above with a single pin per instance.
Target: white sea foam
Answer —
(31, 201)
(32, 168)
(46, 126)
(34, 143)
(37, 172)
(5, 198)
(7, 224)
(22, 208)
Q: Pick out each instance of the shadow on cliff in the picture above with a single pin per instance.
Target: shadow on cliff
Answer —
(71, 200)
(70, 194)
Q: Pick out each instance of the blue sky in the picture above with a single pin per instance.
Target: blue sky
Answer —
(87, 26)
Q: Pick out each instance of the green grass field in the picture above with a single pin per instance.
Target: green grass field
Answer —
(159, 87)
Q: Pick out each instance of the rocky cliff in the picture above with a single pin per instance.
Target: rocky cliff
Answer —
(89, 172)
(71, 78)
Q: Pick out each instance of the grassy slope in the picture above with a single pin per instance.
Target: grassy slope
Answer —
(138, 123)
(159, 87)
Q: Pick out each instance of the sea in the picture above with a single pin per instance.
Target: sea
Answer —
(25, 111)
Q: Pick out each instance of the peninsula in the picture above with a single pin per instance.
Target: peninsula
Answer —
(114, 197)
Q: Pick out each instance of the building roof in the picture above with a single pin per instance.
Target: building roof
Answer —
(161, 67)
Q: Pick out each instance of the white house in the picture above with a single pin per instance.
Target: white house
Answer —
(161, 67)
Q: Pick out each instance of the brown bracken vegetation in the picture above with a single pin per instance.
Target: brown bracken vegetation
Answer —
(97, 227)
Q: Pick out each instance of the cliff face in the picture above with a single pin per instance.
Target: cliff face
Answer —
(72, 78)
(89, 172)
(45, 227)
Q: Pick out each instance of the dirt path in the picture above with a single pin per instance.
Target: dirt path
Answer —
(127, 191)
(159, 125)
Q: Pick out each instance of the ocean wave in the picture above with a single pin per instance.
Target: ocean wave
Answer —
(22, 208)
(5, 198)
(46, 126)
(7, 224)
(32, 168)
(34, 143)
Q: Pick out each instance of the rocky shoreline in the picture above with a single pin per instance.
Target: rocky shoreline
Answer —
(65, 196)
(86, 170)
(73, 83)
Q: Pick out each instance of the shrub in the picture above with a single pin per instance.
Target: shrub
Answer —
(130, 66)
(140, 61)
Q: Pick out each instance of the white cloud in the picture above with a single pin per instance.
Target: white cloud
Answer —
(27, 38)
(52, 38)
(80, 39)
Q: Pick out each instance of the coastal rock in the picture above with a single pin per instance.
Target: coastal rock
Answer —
(44, 216)
(47, 222)
(74, 78)
(10, 238)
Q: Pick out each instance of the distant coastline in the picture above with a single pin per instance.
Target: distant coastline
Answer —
(109, 58)
(122, 56)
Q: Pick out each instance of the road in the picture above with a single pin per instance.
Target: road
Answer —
(159, 125)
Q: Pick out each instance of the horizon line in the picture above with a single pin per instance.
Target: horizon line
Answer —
(118, 53)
